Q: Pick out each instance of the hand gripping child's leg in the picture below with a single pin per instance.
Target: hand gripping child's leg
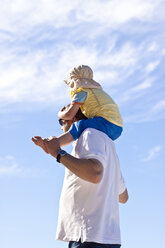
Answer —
(62, 140)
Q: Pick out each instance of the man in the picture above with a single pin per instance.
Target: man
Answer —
(93, 185)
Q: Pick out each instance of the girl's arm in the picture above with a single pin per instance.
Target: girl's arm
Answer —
(68, 113)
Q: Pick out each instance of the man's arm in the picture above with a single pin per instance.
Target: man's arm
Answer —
(69, 112)
(90, 170)
(123, 198)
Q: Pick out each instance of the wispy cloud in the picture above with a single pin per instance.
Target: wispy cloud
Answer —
(152, 153)
(136, 91)
(63, 13)
(159, 106)
(10, 167)
(41, 40)
(153, 112)
(34, 77)
(152, 66)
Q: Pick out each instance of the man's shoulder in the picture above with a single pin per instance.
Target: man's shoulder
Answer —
(92, 133)
(95, 144)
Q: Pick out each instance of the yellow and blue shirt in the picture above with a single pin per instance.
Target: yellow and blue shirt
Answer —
(97, 103)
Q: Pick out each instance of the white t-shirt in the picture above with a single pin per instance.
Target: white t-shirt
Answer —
(90, 211)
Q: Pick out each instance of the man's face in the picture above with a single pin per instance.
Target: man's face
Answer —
(66, 124)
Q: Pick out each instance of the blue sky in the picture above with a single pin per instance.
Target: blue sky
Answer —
(123, 42)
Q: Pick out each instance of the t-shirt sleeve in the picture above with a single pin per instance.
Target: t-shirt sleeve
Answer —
(122, 185)
(79, 97)
(92, 146)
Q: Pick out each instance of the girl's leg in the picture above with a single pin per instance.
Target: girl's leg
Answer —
(113, 131)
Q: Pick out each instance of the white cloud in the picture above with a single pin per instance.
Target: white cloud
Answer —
(152, 66)
(153, 47)
(153, 153)
(159, 106)
(152, 112)
(124, 57)
(23, 15)
(37, 49)
(10, 167)
(38, 76)
(116, 11)
(136, 91)
(145, 85)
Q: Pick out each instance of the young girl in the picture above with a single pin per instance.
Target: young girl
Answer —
(102, 112)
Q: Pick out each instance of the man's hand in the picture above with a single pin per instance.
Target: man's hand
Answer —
(52, 145)
(123, 198)
(39, 142)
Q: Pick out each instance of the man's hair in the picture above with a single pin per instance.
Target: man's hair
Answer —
(80, 115)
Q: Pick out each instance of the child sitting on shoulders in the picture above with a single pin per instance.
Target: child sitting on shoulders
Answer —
(101, 111)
